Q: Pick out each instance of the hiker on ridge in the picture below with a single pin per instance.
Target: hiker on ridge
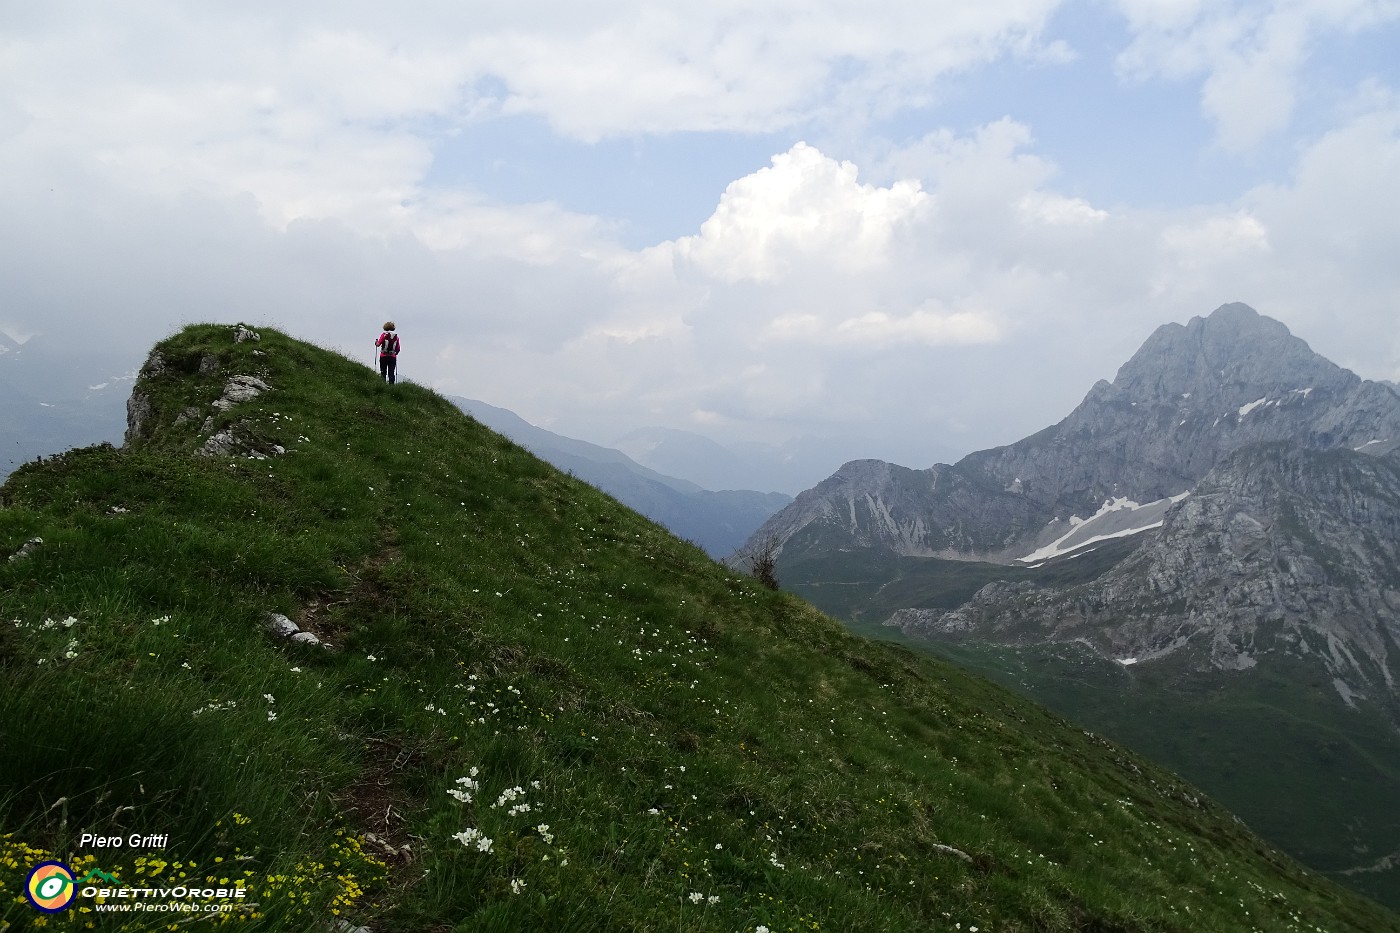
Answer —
(388, 344)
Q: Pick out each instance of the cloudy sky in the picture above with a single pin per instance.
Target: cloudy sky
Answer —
(914, 228)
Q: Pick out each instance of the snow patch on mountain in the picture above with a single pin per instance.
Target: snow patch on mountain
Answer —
(1118, 517)
(1246, 409)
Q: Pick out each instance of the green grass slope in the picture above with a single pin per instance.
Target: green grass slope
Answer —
(539, 710)
(867, 585)
(1275, 744)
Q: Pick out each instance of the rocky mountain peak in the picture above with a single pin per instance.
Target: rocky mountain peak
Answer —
(1191, 395)
(1231, 358)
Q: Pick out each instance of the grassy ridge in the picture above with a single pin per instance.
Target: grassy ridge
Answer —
(634, 737)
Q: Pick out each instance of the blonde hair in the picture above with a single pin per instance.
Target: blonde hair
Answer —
(388, 325)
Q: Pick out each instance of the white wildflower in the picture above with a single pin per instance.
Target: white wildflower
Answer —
(215, 707)
(507, 795)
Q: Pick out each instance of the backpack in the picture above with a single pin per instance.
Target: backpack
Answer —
(389, 344)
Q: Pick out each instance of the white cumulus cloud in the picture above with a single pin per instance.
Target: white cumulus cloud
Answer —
(804, 210)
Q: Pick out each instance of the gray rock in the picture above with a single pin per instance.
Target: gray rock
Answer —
(26, 549)
(242, 333)
(280, 625)
(138, 416)
(155, 365)
(240, 389)
(186, 416)
(949, 850)
(223, 444)
(340, 925)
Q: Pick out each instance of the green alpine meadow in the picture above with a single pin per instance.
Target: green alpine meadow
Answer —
(313, 652)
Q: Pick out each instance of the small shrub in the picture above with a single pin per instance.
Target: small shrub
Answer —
(760, 558)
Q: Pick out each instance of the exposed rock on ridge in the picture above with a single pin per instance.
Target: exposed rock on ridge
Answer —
(214, 440)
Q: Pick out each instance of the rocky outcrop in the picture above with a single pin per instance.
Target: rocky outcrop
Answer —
(228, 440)
(26, 549)
(138, 416)
(239, 389)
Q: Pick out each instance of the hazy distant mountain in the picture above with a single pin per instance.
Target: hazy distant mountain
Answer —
(790, 465)
(683, 453)
(718, 521)
(49, 405)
